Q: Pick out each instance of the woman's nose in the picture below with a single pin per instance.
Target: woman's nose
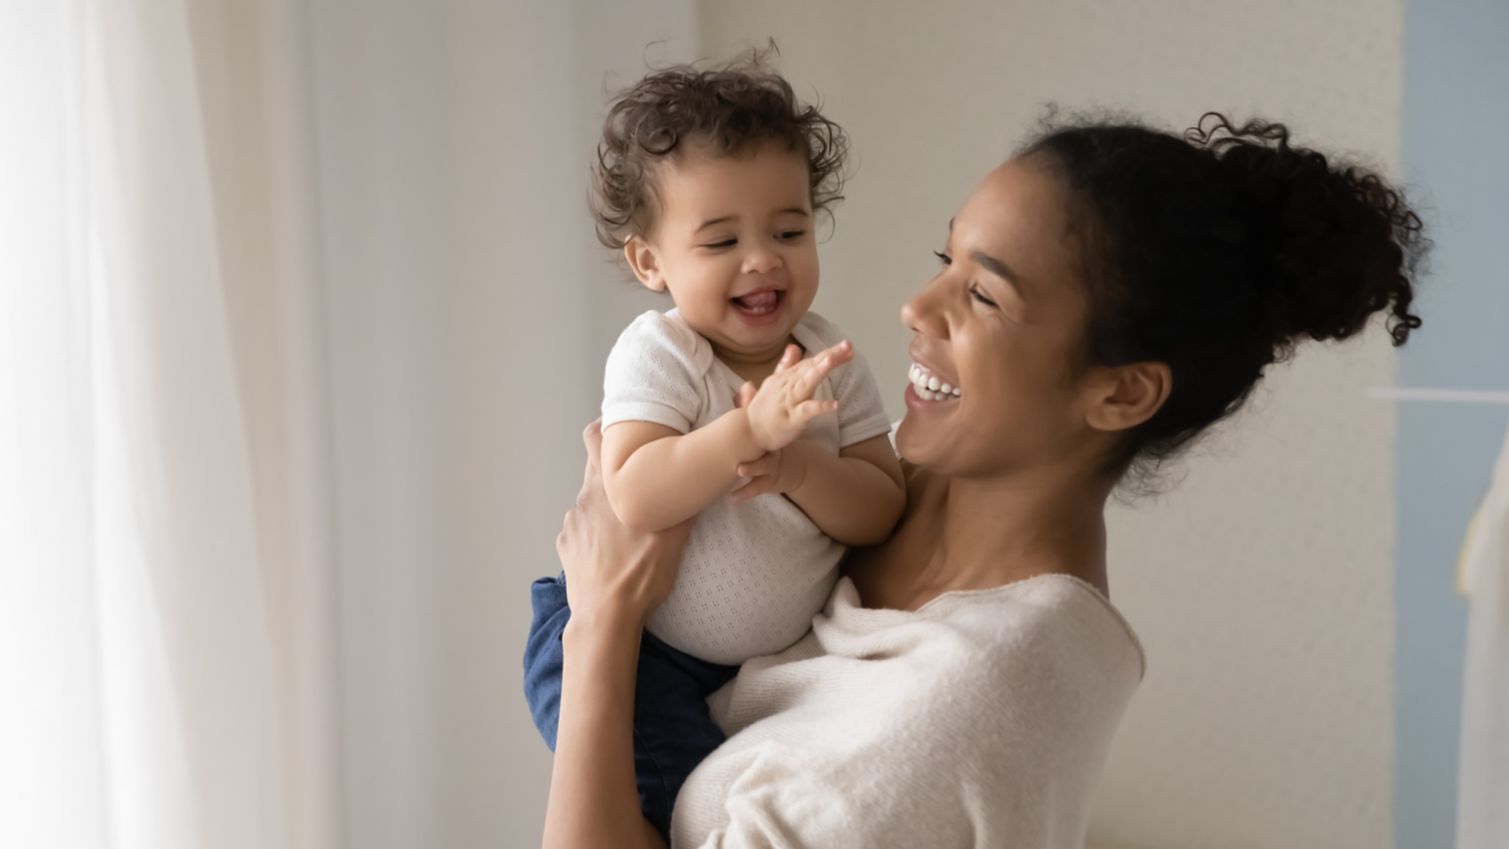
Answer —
(921, 315)
(909, 315)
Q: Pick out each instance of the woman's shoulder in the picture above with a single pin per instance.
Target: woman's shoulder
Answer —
(1047, 658)
(1047, 622)
(1011, 693)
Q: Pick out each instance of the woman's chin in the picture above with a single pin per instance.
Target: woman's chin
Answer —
(910, 443)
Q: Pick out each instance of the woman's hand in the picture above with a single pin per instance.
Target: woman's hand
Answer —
(613, 573)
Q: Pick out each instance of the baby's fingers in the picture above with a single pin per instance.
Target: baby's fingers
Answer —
(745, 394)
(754, 468)
(759, 486)
(808, 410)
(817, 368)
(789, 357)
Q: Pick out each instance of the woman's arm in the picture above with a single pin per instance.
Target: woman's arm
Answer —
(593, 801)
(615, 576)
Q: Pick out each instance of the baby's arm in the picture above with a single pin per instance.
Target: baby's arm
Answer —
(855, 497)
(657, 477)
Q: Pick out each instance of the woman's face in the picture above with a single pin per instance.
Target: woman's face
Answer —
(1002, 322)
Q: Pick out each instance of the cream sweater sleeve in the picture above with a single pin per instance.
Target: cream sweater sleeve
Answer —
(982, 719)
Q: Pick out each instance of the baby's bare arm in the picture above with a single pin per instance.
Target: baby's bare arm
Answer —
(855, 497)
(656, 477)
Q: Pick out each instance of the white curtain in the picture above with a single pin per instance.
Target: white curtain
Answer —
(166, 554)
(1483, 789)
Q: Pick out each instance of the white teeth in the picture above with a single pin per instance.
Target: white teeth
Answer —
(928, 387)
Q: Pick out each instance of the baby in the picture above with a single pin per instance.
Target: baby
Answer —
(709, 181)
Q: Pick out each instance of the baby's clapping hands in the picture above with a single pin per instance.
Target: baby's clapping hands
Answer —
(778, 411)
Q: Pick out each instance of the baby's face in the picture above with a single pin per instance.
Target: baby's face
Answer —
(734, 246)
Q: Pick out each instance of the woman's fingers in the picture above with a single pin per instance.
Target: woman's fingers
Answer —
(592, 437)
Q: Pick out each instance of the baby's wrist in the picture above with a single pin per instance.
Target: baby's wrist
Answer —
(760, 437)
(746, 435)
(799, 454)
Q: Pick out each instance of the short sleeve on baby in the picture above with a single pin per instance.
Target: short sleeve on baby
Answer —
(655, 373)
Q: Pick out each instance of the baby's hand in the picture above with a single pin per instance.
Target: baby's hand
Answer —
(783, 404)
(778, 472)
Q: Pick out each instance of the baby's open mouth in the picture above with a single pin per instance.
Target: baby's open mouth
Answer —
(763, 302)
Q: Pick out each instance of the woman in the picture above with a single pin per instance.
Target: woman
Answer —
(1105, 296)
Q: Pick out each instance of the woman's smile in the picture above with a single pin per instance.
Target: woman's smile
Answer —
(925, 390)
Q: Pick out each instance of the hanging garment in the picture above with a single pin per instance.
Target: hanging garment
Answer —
(1483, 795)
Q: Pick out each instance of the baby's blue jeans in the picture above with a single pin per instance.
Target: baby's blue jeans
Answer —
(672, 729)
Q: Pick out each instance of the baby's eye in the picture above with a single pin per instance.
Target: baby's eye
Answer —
(791, 235)
(981, 296)
(943, 257)
(726, 243)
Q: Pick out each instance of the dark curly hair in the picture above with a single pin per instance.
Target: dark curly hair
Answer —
(731, 109)
(1218, 252)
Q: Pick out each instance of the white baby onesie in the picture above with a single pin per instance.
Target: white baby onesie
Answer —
(753, 574)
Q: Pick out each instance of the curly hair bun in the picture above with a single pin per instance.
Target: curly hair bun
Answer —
(1217, 253)
(1338, 243)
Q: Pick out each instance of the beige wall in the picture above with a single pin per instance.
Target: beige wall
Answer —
(464, 288)
(1261, 585)
(454, 210)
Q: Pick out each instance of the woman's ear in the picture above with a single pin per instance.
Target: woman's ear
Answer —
(645, 263)
(1126, 396)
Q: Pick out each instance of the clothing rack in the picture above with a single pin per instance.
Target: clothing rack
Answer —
(1448, 396)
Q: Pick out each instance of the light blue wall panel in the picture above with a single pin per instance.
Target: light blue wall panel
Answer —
(1456, 157)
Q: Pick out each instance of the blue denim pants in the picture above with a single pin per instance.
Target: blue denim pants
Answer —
(672, 729)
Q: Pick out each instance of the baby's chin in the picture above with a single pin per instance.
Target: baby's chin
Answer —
(749, 341)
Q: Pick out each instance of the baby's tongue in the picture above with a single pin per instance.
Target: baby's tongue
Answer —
(762, 299)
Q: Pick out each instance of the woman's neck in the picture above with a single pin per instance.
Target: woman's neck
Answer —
(994, 532)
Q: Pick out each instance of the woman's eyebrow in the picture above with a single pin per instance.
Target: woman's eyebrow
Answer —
(995, 266)
(998, 268)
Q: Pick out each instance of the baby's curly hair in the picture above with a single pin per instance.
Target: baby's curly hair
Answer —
(731, 109)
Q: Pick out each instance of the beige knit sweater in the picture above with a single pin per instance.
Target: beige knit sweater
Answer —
(980, 720)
